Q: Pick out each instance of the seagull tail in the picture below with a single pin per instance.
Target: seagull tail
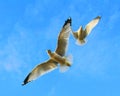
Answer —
(63, 68)
(80, 42)
(68, 63)
(69, 60)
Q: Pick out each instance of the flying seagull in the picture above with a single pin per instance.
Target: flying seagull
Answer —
(56, 57)
(81, 34)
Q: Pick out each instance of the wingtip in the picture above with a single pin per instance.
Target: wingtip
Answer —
(26, 80)
(68, 21)
(23, 84)
(98, 17)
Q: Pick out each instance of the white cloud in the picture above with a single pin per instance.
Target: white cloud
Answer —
(12, 53)
(10, 61)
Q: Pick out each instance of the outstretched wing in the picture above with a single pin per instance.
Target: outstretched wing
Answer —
(63, 38)
(40, 70)
(77, 34)
(92, 24)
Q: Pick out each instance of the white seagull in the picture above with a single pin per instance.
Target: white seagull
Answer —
(81, 34)
(56, 57)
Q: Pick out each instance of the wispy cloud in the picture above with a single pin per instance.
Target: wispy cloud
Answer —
(14, 55)
(21, 45)
(113, 19)
(52, 92)
(10, 60)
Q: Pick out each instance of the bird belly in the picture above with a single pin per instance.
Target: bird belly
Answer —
(58, 58)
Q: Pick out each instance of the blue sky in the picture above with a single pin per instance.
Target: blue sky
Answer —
(29, 28)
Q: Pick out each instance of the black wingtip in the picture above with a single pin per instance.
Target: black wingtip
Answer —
(26, 80)
(98, 17)
(69, 20)
(23, 84)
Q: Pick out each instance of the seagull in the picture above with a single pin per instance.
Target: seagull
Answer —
(81, 34)
(56, 57)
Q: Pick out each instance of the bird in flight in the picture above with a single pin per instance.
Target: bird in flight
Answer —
(81, 34)
(57, 57)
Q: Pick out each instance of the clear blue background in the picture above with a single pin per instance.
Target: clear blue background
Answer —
(29, 27)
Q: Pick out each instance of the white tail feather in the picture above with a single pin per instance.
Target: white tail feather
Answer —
(70, 59)
(81, 42)
(65, 67)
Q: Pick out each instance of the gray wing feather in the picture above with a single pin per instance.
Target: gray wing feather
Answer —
(63, 38)
(75, 34)
(40, 70)
(91, 25)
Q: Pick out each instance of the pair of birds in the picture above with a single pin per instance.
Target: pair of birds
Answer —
(58, 57)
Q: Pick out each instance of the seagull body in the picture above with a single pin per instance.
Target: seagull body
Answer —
(81, 34)
(55, 57)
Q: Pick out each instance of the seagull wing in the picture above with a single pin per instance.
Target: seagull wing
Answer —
(75, 34)
(63, 38)
(40, 70)
(91, 25)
